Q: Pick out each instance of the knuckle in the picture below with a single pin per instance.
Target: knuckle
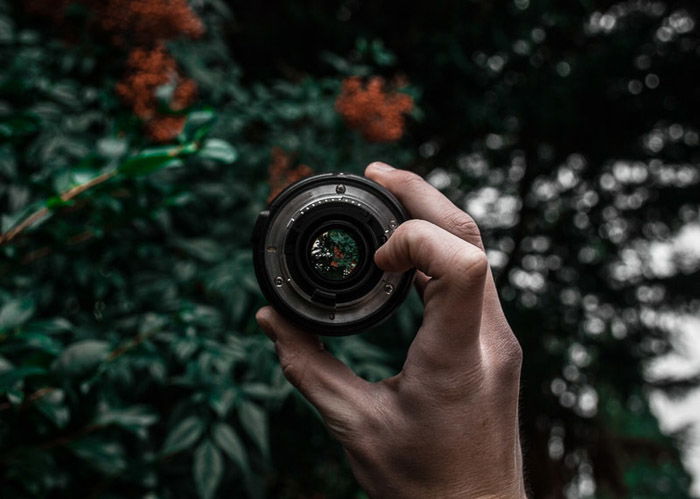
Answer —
(470, 262)
(405, 228)
(410, 225)
(509, 359)
(418, 239)
(413, 231)
(463, 225)
(469, 267)
(454, 382)
(344, 424)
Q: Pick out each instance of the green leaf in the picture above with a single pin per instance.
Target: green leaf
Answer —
(108, 457)
(221, 400)
(208, 469)
(152, 159)
(198, 124)
(254, 421)
(218, 150)
(40, 341)
(229, 442)
(6, 30)
(132, 418)
(9, 378)
(69, 178)
(55, 202)
(5, 365)
(112, 147)
(50, 326)
(53, 407)
(258, 390)
(15, 313)
(184, 435)
(81, 357)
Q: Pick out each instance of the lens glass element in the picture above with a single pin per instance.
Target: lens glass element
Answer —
(334, 254)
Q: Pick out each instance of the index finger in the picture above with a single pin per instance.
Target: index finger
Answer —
(457, 271)
(425, 202)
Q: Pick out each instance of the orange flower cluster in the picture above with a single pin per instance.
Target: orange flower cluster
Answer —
(281, 173)
(149, 70)
(149, 24)
(145, 26)
(376, 112)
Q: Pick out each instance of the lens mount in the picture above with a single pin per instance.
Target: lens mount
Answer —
(314, 254)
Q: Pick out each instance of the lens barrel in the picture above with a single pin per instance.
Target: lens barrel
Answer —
(313, 251)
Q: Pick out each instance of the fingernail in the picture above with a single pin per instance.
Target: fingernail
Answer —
(381, 167)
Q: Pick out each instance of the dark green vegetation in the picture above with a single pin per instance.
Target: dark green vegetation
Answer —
(130, 362)
(334, 254)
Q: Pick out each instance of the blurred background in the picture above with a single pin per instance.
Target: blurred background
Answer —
(139, 140)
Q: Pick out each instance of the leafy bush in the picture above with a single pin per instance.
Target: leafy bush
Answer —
(128, 350)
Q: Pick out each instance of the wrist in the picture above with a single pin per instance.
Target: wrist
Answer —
(514, 489)
(475, 489)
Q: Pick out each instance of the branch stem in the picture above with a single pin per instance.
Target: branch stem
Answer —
(44, 211)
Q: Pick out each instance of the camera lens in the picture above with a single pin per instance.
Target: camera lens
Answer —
(314, 254)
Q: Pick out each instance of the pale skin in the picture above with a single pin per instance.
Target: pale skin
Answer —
(447, 424)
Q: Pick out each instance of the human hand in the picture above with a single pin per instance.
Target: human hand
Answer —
(447, 424)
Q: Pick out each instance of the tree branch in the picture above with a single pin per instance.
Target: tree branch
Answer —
(43, 212)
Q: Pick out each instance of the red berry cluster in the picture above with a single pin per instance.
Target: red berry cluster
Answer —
(375, 111)
(142, 27)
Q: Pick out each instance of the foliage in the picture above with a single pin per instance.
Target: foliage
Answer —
(334, 254)
(130, 363)
(127, 345)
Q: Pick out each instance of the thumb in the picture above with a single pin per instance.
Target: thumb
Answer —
(326, 382)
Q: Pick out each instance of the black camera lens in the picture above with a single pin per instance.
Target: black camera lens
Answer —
(314, 253)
